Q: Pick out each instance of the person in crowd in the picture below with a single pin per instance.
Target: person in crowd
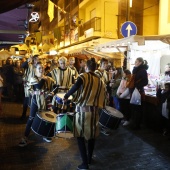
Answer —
(4, 92)
(44, 61)
(124, 97)
(24, 59)
(48, 67)
(54, 63)
(74, 70)
(103, 74)
(1, 89)
(164, 99)
(18, 82)
(111, 71)
(40, 85)
(114, 84)
(140, 79)
(29, 71)
(3, 63)
(88, 102)
(167, 69)
(82, 66)
(8, 74)
(63, 77)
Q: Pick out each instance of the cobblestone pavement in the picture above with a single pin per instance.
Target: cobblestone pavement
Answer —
(145, 149)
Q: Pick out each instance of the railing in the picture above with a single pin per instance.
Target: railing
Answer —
(94, 23)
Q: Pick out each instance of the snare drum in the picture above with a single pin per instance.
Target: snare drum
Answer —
(59, 99)
(110, 117)
(64, 125)
(44, 124)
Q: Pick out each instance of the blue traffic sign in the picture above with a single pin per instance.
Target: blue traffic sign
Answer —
(128, 28)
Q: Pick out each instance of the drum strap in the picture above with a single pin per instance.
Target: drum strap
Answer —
(86, 108)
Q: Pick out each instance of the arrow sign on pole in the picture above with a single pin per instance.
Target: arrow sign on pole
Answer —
(128, 28)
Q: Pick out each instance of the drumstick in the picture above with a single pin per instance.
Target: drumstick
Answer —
(49, 94)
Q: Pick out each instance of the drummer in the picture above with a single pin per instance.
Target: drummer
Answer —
(40, 86)
(90, 96)
(63, 77)
(29, 67)
(104, 75)
(74, 70)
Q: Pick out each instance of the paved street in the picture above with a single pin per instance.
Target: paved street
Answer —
(145, 149)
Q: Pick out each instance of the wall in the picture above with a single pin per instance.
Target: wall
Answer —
(164, 17)
(110, 18)
(150, 17)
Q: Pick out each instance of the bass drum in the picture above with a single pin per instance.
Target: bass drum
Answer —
(110, 117)
(44, 124)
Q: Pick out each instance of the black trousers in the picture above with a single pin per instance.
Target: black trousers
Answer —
(86, 154)
(125, 108)
(137, 115)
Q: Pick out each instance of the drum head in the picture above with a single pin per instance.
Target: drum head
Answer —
(48, 116)
(112, 111)
(61, 96)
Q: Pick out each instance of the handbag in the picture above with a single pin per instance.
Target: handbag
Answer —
(136, 97)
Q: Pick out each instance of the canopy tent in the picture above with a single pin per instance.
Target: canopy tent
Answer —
(148, 47)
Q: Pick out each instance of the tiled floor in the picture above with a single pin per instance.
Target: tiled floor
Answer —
(123, 150)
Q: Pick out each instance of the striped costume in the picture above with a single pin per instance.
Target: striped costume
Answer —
(29, 72)
(89, 98)
(104, 75)
(74, 73)
(63, 77)
(40, 94)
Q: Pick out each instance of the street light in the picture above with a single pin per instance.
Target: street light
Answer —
(130, 3)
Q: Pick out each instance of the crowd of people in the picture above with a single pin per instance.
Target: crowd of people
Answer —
(37, 81)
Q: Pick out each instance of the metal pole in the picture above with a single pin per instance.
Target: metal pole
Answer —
(127, 10)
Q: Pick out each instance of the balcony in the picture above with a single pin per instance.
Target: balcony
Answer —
(94, 23)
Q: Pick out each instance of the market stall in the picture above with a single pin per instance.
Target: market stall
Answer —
(154, 49)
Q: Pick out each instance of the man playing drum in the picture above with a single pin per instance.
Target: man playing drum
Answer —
(90, 96)
(74, 70)
(104, 75)
(63, 77)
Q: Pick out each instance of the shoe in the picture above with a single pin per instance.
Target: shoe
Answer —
(105, 132)
(126, 123)
(82, 167)
(48, 140)
(23, 142)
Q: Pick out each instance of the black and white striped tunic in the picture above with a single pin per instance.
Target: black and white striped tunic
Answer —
(91, 95)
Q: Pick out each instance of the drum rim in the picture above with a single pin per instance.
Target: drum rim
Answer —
(70, 97)
(41, 135)
(46, 120)
(68, 132)
(112, 115)
(64, 114)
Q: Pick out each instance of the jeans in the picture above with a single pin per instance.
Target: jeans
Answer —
(33, 111)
